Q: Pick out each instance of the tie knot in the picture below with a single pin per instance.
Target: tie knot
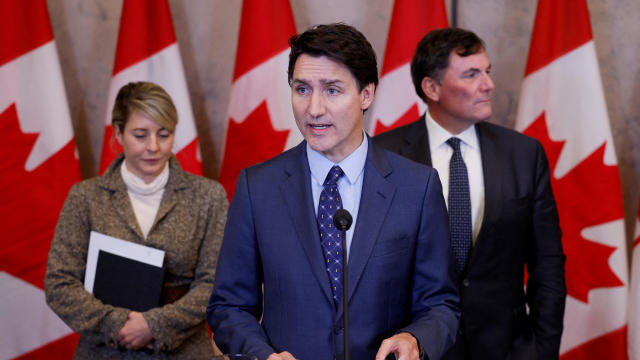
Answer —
(454, 142)
(334, 174)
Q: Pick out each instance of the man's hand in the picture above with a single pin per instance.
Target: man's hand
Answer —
(285, 355)
(403, 345)
(135, 333)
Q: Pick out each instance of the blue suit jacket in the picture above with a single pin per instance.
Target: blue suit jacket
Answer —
(400, 264)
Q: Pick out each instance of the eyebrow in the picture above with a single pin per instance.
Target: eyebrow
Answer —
(146, 130)
(475, 69)
(323, 82)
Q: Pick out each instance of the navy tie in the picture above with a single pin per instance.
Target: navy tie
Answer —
(330, 236)
(459, 205)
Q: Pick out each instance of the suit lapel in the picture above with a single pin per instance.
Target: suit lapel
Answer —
(120, 202)
(490, 156)
(492, 174)
(416, 143)
(296, 189)
(176, 183)
(122, 205)
(377, 194)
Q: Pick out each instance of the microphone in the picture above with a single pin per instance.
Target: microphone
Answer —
(342, 220)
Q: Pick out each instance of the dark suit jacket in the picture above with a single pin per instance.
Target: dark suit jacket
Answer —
(400, 265)
(520, 227)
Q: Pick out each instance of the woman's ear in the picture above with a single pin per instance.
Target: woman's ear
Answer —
(118, 134)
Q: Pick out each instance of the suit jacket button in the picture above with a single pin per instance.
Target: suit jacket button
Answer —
(465, 282)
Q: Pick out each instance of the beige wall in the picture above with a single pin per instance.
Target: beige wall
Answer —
(207, 30)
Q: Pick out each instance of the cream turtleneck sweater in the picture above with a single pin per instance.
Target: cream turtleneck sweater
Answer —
(145, 198)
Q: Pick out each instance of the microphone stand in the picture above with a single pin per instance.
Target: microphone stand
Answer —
(345, 294)
(342, 220)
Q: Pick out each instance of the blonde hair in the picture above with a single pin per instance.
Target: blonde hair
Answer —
(147, 98)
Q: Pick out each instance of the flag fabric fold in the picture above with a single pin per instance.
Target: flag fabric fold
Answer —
(147, 50)
(38, 168)
(562, 104)
(396, 101)
(634, 296)
(261, 123)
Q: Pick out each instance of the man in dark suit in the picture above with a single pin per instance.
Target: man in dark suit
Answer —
(278, 261)
(502, 212)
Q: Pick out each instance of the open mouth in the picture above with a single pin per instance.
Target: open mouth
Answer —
(318, 126)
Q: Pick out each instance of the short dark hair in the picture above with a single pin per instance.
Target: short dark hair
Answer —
(341, 43)
(432, 54)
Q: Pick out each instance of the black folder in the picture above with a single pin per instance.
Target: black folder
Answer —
(127, 283)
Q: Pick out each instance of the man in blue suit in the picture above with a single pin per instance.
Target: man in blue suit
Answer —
(277, 293)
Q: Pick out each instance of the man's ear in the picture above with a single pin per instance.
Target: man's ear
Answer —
(366, 96)
(431, 88)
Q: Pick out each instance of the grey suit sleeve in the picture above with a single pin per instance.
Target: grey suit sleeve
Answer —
(546, 289)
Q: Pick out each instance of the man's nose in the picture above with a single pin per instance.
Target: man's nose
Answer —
(487, 83)
(316, 107)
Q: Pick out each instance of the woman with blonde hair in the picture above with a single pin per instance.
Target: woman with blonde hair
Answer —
(146, 198)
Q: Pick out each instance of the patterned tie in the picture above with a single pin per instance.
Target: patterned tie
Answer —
(459, 205)
(330, 236)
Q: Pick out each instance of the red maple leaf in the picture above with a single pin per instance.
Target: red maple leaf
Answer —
(409, 116)
(32, 200)
(248, 143)
(588, 195)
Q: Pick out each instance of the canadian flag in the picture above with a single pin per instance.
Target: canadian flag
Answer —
(147, 51)
(396, 101)
(634, 297)
(38, 167)
(261, 123)
(562, 104)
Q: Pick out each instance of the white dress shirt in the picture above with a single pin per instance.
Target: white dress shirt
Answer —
(441, 154)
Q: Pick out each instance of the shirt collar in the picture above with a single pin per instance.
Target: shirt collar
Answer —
(439, 135)
(352, 165)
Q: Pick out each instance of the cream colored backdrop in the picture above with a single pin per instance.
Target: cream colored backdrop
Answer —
(86, 33)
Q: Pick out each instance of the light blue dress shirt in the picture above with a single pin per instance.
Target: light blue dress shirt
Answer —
(349, 185)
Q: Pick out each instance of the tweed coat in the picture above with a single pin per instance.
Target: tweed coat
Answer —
(188, 227)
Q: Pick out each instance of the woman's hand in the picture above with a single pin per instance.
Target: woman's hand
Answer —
(135, 333)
